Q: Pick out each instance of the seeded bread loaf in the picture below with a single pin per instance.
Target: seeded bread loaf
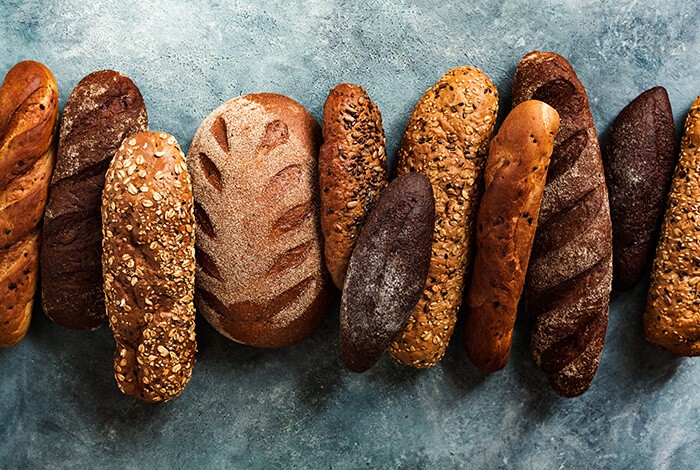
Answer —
(148, 266)
(514, 178)
(672, 316)
(567, 289)
(261, 278)
(352, 171)
(639, 154)
(446, 139)
(103, 109)
(28, 118)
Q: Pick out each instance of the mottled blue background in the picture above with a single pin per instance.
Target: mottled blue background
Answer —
(250, 408)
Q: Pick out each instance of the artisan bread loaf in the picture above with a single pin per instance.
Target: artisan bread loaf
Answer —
(103, 109)
(387, 270)
(568, 284)
(672, 316)
(514, 178)
(148, 266)
(28, 119)
(639, 154)
(352, 171)
(446, 139)
(261, 278)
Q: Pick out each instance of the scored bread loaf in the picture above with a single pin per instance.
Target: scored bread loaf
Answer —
(28, 120)
(261, 279)
(148, 266)
(446, 139)
(514, 178)
(567, 289)
(352, 171)
(672, 315)
(103, 109)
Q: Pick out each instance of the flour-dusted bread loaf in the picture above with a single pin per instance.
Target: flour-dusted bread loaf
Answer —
(149, 265)
(639, 155)
(672, 316)
(261, 279)
(387, 270)
(28, 120)
(103, 109)
(568, 283)
(351, 169)
(446, 139)
(514, 178)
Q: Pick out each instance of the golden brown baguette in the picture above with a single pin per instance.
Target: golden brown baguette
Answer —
(446, 139)
(672, 316)
(516, 170)
(28, 121)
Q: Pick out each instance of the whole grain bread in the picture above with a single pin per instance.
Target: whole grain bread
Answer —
(514, 178)
(261, 278)
(567, 289)
(351, 169)
(672, 315)
(446, 139)
(639, 155)
(103, 109)
(148, 266)
(28, 119)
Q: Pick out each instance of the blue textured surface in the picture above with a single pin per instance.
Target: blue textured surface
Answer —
(248, 408)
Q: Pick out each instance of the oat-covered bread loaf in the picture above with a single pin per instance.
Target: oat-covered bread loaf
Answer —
(351, 169)
(514, 178)
(568, 283)
(103, 109)
(672, 316)
(28, 119)
(639, 155)
(446, 139)
(148, 266)
(261, 279)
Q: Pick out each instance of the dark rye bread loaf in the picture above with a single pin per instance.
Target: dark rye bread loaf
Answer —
(568, 283)
(103, 109)
(387, 270)
(351, 169)
(261, 279)
(639, 155)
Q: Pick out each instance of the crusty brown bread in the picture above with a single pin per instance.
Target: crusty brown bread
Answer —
(28, 119)
(672, 316)
(387, 270)
(351, 169)
(567, 289)
(261, 278)
(103, 109)
(639, 155)
(514, 178)
(446, 139)
(148, 266)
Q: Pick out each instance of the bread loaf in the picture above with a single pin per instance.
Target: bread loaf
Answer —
(387, 270)
(261, 278)
(514, 178)
(568, 284)
(148, 266)
(352, 171)
(639, 154)
(28, 118)
(672, 316)
(446, 139)
(103, 109)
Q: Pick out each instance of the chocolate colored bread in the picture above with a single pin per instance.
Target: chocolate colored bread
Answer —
(568, 283)
(387, 270)
(639, 157)
(103, 109)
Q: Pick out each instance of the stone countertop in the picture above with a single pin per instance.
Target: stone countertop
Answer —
(298, 407)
